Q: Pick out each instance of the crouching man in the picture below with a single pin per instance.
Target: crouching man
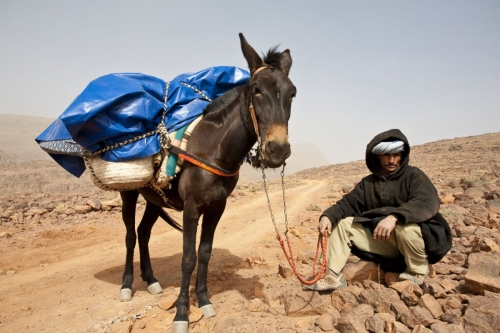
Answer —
(391, 217)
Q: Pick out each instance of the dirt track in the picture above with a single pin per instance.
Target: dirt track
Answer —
(68, 279)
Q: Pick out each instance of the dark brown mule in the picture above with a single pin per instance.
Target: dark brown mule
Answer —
(223, 138)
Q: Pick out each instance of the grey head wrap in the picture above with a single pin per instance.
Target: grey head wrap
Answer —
(389, 147)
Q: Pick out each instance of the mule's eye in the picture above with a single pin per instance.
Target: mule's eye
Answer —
(257, 92)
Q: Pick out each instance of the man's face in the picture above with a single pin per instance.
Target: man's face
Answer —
(390, 162)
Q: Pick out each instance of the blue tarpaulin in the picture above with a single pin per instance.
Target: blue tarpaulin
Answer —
(121, 106)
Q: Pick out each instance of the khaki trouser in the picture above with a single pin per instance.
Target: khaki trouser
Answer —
(405, 239)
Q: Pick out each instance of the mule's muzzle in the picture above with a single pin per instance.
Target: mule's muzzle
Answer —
(275, 153)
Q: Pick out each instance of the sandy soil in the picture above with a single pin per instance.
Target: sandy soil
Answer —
(67, 279)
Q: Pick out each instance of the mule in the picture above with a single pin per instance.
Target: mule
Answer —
(258, 111)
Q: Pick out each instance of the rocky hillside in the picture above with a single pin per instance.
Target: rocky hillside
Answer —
(461, 293)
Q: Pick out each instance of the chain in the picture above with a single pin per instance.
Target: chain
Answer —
(322, 239)
(269, 201)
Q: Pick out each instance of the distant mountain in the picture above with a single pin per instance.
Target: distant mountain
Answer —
(18, 133)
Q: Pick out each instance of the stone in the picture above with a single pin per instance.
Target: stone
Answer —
(194, 314)
(399, 308)
(431, 304)
(417, 316)
(447, 328)
(326, 322)
(284, 270)
(493, 206)
(482, 315)
(421, 329)
(94, 204)
(411, 294)
(391, 278)
(303, 303)
(82, 209)
(433, 287)
(167, 302)
(483, 273)
(346, 298)
(363, 270)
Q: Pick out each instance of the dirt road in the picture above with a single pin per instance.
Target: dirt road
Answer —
(68, 279)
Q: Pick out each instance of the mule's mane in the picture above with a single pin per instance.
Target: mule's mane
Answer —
(272, 58)
(222, 101)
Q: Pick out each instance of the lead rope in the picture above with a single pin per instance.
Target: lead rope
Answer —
(322, 239)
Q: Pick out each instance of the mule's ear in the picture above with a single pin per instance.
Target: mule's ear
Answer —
(286, 61)
(253, 59)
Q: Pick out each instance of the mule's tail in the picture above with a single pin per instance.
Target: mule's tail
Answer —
(170, 221)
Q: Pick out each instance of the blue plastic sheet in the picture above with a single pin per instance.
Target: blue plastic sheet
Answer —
(121, 106)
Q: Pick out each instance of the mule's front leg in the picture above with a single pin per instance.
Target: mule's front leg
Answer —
(210, 220)
(190, 222)
(129, 201)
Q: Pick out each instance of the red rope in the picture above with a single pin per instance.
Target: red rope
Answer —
(322, 239)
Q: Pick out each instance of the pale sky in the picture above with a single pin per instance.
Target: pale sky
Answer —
(429, 68)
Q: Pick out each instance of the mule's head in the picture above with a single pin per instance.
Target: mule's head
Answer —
(270, 93)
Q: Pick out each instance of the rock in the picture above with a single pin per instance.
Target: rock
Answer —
(5, 234)
(391, 278)
(484, 272)
(194, 314)
(354, 319)
(433, 287)
(400, 309)
(447, 328)
(381, 322)
(363, 270)
(167, 302)
(482, 315)
(493, 206)
(303, 303)
(94, 204)
(82, 209)
(326, 322)
(284, 270)
(421, 329)
(465, 231)
(373, 297)
(411, 294)
(448, 284)
(431, 304)
(346, 298)
(417, 316)
(493, 195)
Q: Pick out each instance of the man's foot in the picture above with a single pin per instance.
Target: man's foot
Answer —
(329, 282)
(418, 279)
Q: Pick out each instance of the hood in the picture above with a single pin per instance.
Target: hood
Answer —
(372, 161)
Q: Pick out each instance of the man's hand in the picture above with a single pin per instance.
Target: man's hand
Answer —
(384, 228)
(324, 224)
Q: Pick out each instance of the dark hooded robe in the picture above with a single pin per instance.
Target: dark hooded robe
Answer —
(407, 193)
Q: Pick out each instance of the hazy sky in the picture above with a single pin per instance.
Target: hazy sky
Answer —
(430, 68)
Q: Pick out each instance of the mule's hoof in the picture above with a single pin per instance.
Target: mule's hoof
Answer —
(125, 295)
(180, 326)
(208, 311)
(155, 289)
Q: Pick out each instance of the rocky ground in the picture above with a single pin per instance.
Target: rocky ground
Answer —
(62, 251)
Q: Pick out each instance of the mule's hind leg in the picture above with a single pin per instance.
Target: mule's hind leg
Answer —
(129, 199)
(210, 220)
(144, 232)
(190, 218)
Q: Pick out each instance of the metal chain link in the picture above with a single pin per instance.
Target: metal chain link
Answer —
(269, 201)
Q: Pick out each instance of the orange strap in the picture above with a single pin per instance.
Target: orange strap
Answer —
(207, 167)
